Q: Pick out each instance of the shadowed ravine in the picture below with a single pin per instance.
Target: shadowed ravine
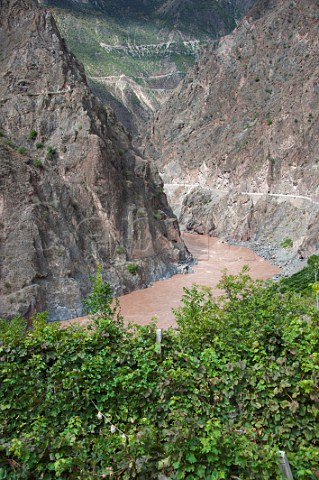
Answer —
(213, 256)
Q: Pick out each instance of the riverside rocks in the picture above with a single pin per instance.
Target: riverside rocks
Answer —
(286, 258)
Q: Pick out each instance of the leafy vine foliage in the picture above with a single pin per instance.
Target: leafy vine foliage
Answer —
(236, 382)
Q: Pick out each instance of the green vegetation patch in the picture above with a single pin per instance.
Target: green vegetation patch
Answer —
(157, 215)
(9, 143)
(120, 249)
(234, 384)
(51, 151)
(113, 45)
(37, 163)
(303, 281)
(22, 150)
(132, 268)
(287, 242)
(33, 134)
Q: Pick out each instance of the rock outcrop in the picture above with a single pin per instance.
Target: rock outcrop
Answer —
(242, 130)
(74, 192)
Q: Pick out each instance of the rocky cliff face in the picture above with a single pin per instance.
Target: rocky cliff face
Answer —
(243, 126)
(215, 18)
(74, 193)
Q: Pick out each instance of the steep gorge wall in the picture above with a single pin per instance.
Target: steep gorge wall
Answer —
(74, 192)
(245, 121)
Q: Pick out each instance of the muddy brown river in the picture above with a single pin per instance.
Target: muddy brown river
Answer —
(213, 256)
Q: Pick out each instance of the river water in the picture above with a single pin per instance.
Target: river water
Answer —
(213, 256)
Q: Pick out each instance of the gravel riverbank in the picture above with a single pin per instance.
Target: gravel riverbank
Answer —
(287, 259)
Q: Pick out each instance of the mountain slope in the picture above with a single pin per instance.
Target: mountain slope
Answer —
(150, 43)
(74, 193)
(246, 120)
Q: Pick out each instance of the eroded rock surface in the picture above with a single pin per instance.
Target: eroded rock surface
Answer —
(245, 122)
(74, 193)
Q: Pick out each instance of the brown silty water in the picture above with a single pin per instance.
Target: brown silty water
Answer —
(213, 256)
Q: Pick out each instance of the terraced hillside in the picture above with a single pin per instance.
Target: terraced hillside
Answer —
(136, 52)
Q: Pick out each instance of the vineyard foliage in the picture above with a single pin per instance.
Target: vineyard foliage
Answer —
(234, 384)
(302, 281)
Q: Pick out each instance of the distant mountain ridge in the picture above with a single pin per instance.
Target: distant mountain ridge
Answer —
(202, 16)
(141, 40)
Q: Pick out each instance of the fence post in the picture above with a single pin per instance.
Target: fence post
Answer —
(159, 337)
(284, 465)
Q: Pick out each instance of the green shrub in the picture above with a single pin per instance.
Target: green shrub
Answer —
(9, 143)
(133, 268)
(141, 212)
(1, 133)
(302, 281)
(269, 121)
(313, 263)
(101, 296)
(51, 152)
(298, 282)
(22, 150)
(12, 331)
(39, 145)
(157, 216)
(287, 243)
(37, 163)
(120, 249)
(33, 134)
